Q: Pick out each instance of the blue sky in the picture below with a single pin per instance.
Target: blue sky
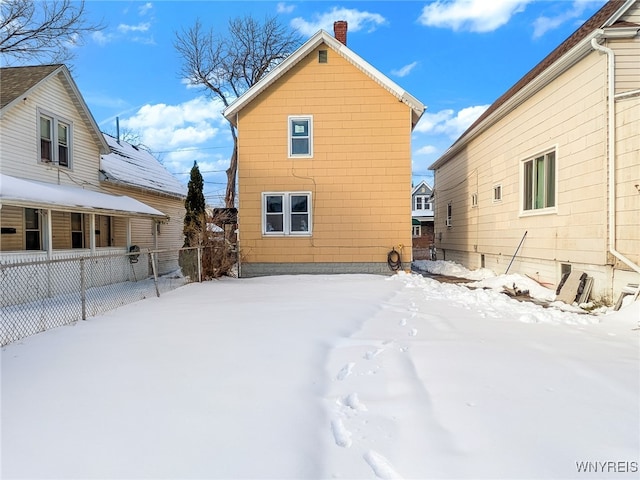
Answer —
(455, 56)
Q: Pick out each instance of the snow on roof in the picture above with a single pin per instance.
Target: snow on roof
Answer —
(129, 165)
(30, 193)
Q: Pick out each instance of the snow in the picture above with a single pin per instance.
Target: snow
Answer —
(46, 194)
(129, 165)
(344, 376)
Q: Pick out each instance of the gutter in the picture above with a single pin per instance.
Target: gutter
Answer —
(611, 148)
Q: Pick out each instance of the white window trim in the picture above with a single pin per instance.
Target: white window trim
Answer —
(286, 210)
(290, 119)
(539, 211)
(55, 119)
(417, 230)
(474, 200)
(497, 188)
(449, 220)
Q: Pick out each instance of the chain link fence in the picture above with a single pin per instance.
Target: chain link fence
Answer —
(39, 295)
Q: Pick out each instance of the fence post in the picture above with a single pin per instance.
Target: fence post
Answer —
(83, 289)
(199, 264)
(155, 274)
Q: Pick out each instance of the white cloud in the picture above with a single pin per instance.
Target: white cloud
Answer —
(543, 24)
(141, 27)
(144, 9)
(471, 15)
(426, 150)
(356, 20)
(449, 123)
(404, 71)
(170, 127)
(284, 8)
(101, 39)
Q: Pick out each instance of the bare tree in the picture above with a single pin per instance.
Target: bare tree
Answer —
(42, 30)
(229, 64)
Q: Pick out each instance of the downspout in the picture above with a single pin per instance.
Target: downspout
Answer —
(611, 151)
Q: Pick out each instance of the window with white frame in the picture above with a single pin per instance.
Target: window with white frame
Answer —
(474, 199)
(287, 213)
(32, 237)
(497, 193)
(301, 136)
(421, 202)
(539, 182)
(77, 230)
(448, 221)
(417, 230)
(55, 140)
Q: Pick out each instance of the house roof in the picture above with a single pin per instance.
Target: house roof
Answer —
(319, 38)
(420, 184)
(32, 194)
(130, 166)
(16, 83)
(605, 18)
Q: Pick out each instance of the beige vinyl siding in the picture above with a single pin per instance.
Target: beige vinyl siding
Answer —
(628, 178)
(569, 116)
(627, 58)
(20, 139)
(142, 229)
(12, 217)
(359, 176)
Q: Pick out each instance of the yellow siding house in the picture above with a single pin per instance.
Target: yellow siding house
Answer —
(324, 165)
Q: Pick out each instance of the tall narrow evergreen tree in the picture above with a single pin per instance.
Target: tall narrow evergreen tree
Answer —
(194, 205)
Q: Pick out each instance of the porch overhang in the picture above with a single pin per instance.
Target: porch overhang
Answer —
(33, 194)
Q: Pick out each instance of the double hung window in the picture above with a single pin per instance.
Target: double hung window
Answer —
(32, 229)
(55, 140)
(539, 182)
(77, 230)
(286, 213)
(301, 136)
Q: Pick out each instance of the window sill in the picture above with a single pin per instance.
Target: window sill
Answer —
(539, 212)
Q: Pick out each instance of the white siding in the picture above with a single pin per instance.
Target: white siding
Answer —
(19, 137)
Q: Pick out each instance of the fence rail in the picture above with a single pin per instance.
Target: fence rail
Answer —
(37, 295)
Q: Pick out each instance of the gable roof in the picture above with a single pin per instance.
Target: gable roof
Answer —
(16, 83)
(417, 187)
(130, 166)
(319, 38)
(577, 44)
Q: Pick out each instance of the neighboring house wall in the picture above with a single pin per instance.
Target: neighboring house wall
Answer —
(359, 176)
(569, 118)
(148, 233)
(20, 138)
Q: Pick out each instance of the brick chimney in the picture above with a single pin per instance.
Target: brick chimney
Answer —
(340, 31)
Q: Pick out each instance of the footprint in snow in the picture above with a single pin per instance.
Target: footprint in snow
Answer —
(341, 435)
(381, 466)
(413, 332)
(345, 371)
(352, 401)
(373, 353)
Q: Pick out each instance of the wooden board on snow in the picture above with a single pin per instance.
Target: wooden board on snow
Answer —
(569, 290)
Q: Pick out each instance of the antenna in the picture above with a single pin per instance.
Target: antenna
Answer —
(118, 129)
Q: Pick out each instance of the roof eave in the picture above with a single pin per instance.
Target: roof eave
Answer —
(544, 78)
(320, 37)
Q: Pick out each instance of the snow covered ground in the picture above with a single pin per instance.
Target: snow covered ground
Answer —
(345, 376)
